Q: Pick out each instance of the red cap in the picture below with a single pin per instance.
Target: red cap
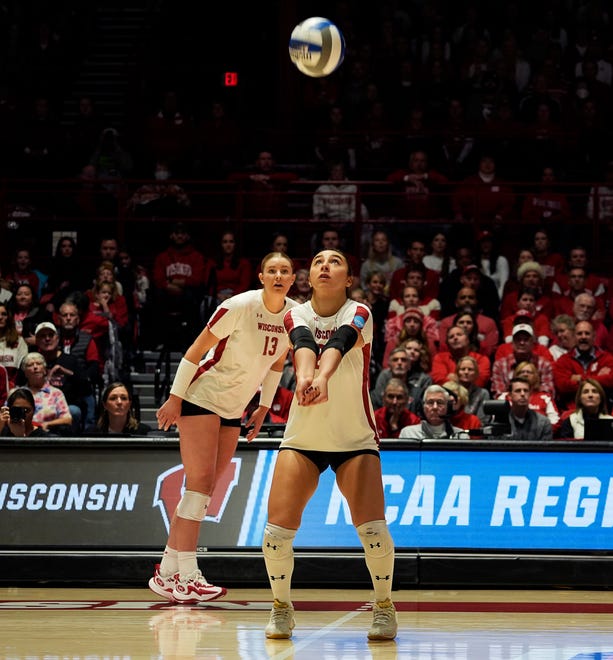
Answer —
(413, 311)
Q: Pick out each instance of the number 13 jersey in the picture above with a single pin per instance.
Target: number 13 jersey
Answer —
(251, 340)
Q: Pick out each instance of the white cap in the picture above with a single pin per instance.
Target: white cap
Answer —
(523, 327)
(45, 325)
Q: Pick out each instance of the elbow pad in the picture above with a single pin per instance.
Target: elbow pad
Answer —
(302, 337)
(343, 339)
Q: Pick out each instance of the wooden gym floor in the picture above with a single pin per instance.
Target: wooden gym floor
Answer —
(126, 623)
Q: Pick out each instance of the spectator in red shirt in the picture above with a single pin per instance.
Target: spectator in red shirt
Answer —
(552, 263)
(530, 275)
(586, 360)
(180, 277)
(24, 273)
(169, 133)
(233, 272)
(459, 417)
(394, 414)
(585, 308)
(105, 274)
(483, 197)
(444, 363)
(264, 187)
(487, 331)
(400, 277)
(523, 350)
(411, 324)
(412, 297)
(420, 189)
(107, 321)
(548, 204)
(577, 258)
(526, 309)
(564, 301)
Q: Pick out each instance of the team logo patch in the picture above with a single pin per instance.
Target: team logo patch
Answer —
(358, 321)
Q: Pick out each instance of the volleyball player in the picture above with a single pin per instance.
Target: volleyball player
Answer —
(245, 345)
(331, 424)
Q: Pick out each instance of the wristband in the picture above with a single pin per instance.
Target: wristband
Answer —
(269, 387)
(183, 378)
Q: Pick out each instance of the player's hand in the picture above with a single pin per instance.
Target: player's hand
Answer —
(303, 383)
(317, 392)
(255, 421)
(169, 412)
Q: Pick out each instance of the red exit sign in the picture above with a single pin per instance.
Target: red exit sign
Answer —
(230, 78)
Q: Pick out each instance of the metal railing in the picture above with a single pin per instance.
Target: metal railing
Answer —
(34, 207)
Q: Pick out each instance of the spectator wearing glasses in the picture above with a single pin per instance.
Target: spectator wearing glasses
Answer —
(437, 406)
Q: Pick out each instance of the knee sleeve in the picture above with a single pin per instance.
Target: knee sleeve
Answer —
(376, 538)
(193, 505)
(277, 542)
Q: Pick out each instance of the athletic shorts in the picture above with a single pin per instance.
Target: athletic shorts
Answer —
(333, 459)
(192, 410)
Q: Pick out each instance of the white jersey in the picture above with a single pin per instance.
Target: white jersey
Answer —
(346, 421)
(11, 358)
(251, 340)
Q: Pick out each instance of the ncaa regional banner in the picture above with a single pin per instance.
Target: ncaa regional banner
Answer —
(469, 500)
(67, 495)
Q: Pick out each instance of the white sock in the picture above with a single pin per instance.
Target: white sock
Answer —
(379, 554)
(187, 563)
(169, 565)
(279, 558)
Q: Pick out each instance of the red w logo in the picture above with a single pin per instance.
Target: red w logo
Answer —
(171, 484)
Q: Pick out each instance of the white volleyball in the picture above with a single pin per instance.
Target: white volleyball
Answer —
(317, 47)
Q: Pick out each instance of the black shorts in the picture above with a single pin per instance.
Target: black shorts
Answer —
(192, 410)
(333, 459)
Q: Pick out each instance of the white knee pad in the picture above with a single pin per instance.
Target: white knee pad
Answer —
(277, 542)
(193, 505)
(376, 538)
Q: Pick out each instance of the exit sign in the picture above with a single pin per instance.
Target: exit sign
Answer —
(230, 78)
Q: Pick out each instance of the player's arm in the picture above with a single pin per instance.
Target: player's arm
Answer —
(267, 395)
(201, 345)
(306, 352)
(170, 410)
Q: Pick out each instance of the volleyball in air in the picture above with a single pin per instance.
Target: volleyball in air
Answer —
(317, 47)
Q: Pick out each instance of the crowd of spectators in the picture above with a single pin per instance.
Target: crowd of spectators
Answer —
(66, 334)
(468, 143)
